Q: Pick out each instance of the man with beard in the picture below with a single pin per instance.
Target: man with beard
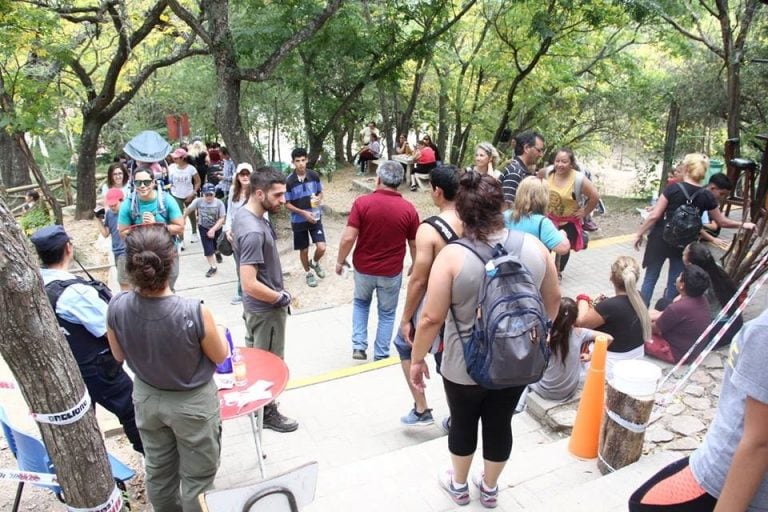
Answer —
(265, 302)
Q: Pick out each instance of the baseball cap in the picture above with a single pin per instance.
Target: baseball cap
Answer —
(114, 196)
(49, 238)
(208, 188)
(244, 167)
(179, 153)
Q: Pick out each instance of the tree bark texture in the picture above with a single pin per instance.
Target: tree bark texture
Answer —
(86, 168)
(13, 171)
(670, 141)
(46, 372)
(29, 162)
(619, 446)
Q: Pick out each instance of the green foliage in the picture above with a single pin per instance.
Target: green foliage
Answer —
(646, 180)
(34, 219)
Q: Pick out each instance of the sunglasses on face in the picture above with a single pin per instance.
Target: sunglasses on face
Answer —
(208, 194)
(143, 183)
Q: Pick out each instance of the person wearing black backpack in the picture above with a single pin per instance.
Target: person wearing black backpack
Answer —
(81, 309)
(489, 263)
(678, 209)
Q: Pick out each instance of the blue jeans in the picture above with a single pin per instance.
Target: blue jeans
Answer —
(652, 271)
(387, 291)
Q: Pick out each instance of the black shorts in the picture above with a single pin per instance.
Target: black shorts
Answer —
(303, 231)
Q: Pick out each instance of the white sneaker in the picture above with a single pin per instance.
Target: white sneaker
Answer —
(194, 238)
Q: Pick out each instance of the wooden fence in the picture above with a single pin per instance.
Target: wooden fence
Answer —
(67, 184)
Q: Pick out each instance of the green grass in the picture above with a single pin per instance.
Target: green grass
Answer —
(616, 204)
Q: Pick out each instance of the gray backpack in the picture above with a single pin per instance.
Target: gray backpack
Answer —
(508, 343)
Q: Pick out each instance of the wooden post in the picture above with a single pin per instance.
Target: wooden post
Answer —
(623, 430)
(66, 185)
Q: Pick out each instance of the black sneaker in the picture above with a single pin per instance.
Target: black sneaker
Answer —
(219, 259)
(360, 355)
(273, 420)
(211, 271)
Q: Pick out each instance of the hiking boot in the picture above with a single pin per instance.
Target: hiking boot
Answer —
(488, 497)
(273, 420)
(311, 279)
(211, 271)
(359, 354)
(417, 419)
(315, 265)
(219, 258)
(459, 495)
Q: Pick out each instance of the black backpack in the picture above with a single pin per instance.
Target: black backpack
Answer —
(684, 225)
(508, 342)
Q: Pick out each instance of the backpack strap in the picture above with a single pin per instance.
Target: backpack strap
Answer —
(54, 289)
(442, 227)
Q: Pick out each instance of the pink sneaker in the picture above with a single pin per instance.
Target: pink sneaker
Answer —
(488, 497)
(459, 495)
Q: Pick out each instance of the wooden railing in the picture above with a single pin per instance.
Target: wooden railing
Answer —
(66, 183)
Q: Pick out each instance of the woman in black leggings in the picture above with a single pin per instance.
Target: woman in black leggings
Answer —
(453, 286)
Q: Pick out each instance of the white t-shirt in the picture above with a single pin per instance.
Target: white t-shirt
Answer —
(182, 183)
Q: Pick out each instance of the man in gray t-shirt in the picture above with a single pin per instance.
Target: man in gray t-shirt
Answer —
(265, 303)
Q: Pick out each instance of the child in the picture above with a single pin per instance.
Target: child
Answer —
(107, 222)
(561, 378)
(211, 217)
(30, 200)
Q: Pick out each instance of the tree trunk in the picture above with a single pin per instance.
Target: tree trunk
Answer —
(29, 162)
(86, 168)
(228, 119)
(405, 121)
(33, 346)
(386, 120)
(350, 139)
(442, 117)
(620, 446)
(13, 171)
(338, 146)
(733, 70)
(670, 141)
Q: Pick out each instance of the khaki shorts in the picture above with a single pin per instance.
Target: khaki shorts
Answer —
(266, 330)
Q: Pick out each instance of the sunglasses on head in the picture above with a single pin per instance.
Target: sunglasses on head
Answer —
(143, 183)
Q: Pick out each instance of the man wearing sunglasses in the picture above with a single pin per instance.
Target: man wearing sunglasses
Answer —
(149, 205)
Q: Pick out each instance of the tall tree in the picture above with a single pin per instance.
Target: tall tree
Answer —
(33, 347)
(108, 62)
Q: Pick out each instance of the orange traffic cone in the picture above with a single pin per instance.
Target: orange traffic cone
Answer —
(586, 429)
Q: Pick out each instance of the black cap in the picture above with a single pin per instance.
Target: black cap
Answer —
(49, 238)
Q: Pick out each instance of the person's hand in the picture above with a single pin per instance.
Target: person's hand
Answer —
(638, 241)
(190, 198)
(722, 244)
(406, 331)
(148, 218)
(308, 217)
(211, 233)
(419, 371)
(580, 213)
(282, 301)
(229, 236)
(748, 225)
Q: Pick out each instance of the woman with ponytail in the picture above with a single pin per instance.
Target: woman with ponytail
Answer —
(624, 316)
(720, 292)
(172, 345)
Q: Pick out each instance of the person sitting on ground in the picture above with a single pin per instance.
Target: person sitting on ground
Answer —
(561, 378)
(487, 160)
(623, 316)
(729, 471)
(529, 215)
(211, 215)
(372, 151)
(172, 345)
(30, 200)
(424, 161)
(677, 325)
(719, 293)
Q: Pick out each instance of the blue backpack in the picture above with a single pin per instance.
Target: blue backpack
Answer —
(508, 344)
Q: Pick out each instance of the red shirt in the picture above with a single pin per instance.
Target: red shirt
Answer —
(426, 156)
(385, 221)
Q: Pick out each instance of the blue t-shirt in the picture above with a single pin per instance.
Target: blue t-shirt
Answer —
(172, 210)
(537, 225)
(298, 192)
(110, 221)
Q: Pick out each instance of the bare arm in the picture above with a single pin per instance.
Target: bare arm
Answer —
(176, 226)
(213, 344)
(254, 287)
(563, 247)
(550, 286)
(348, 238)
(114, 346)
(750, 461)
(417, 284)
(587, 316)
(716, 215)
(102, 228)
(650, 221)
(593, 196)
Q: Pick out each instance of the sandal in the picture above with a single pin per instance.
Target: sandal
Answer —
(413, 188)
